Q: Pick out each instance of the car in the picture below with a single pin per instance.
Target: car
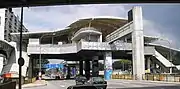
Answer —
(80, 80)
(98, 82)
(82, 87)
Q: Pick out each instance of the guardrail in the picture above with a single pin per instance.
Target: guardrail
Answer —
(152, 77)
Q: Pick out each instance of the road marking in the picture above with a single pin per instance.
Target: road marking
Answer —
(62, 86)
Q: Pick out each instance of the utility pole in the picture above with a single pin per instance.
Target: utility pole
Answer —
(20, 60)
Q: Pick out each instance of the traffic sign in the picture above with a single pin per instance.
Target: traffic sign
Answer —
(21, 61)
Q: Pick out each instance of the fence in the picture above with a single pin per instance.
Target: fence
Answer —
(162, 77)
(8, 85)
(123, 76)
(152, 77)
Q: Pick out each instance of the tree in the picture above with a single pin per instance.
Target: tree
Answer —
(101, 66)
(117, 65)
(45, 61)
(123, 64)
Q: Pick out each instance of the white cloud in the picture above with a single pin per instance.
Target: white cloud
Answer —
(60, 16)
(154, 29)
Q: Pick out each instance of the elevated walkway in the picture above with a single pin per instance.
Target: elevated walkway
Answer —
(75, 48)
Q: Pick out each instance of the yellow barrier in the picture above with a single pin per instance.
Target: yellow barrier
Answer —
(29, 80)
(128, 77)
(33, 79)
(152, 77)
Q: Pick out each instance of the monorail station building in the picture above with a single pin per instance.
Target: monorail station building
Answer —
(89, 40)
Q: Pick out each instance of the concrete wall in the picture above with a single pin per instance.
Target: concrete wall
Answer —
(33, 41)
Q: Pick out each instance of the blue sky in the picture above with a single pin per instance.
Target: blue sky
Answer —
(159, 19)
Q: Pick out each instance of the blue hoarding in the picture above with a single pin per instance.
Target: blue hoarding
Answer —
(54, 66)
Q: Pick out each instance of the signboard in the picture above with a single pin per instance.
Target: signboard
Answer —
(54, 66)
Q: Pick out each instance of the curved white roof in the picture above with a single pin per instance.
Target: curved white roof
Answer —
(103, 17)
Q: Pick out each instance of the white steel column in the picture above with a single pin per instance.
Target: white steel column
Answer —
(108, 65)
(138, 44)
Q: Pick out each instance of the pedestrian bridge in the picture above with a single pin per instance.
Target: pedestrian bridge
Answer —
(74, 48)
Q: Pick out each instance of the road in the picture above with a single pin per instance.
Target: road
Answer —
(114, 84)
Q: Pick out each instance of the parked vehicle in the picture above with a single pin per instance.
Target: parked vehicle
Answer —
(80, 80)
(98, 82)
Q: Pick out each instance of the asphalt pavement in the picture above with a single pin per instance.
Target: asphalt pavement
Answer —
(113, 84)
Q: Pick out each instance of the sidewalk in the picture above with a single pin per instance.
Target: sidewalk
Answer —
(35, 84)
(147, 81)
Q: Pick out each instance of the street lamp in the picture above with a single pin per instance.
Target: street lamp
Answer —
(40, 69)
(170, 53)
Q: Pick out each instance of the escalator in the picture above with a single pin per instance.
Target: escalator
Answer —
(163, 62)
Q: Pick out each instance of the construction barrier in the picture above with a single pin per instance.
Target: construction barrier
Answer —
(123, 76)
(152, 77)
(30, 80)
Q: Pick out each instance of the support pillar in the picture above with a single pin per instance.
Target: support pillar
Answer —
(95, 66)
(81, 67)
(100, 38)
(138, 44)
(148, 65)
(87, 69)
(30, 70)
(108, 65)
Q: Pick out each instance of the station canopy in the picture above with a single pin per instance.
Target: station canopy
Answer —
(104, 24)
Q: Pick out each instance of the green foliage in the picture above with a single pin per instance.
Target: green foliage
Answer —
(122, 64)
(125, 61)
(101, 66)
(45, 61)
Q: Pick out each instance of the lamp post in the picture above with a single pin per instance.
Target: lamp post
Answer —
(40, 69)
(170, 54)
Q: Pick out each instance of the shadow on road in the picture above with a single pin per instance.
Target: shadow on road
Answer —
(57, 79)
(153, 87)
